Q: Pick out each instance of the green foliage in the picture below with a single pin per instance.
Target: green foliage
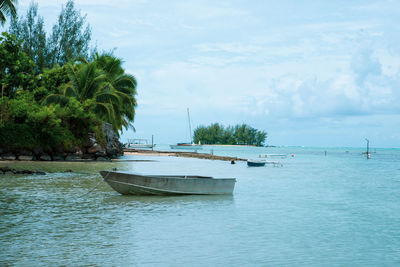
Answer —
(48, 98)
(79, 118)
(70, 37)
(238, 135)
(105, 83)
(40, 93)
(16, 68)
(27, 124)
(51, 81)
(124, 86)
(7, 8)
(31, 31)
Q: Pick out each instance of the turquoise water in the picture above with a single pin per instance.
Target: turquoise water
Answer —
(335, 210)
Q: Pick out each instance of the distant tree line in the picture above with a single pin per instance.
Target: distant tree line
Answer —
(241, 134)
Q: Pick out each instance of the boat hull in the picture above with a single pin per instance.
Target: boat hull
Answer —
(282, 156)
(189, 147)
(140, 146)
(133, 184)
(255, 164)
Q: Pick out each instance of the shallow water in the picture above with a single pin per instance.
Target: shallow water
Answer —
(335, 210)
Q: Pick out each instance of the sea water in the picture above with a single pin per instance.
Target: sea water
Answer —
(321, 207)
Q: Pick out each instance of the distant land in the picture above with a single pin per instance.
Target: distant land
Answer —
(240, 134)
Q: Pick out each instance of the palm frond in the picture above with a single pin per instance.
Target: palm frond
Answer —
(2, 18)
(105, 112)
(7, 8)
(70, 91)
(55, 99)
(108, 97)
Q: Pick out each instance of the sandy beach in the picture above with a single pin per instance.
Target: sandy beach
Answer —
(180, 154)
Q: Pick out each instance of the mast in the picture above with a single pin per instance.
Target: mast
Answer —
(190, 127)
(368, 155)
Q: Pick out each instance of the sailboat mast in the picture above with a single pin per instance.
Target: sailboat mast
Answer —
(368, 155)
(190, 127)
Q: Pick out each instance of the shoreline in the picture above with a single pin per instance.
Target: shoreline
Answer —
(185, 154)
(142, 152)
(231, 145)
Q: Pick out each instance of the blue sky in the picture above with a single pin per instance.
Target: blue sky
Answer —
(312, 73)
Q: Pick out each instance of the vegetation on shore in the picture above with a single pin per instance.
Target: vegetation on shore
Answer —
(232, 135)
(54, 90)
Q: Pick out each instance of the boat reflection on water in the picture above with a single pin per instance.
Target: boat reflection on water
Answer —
(129, 200)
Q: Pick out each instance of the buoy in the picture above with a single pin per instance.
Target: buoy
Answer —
(292, 155)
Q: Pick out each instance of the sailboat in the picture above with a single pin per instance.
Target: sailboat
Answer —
(190, 145)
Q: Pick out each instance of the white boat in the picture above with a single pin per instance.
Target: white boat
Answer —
(191, 145)
(139, 144)
(273, 156)
(186, 146)
(135, 184)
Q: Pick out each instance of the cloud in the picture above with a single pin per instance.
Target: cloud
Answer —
(361, 88)
(206, 10)
(228, 47)
(282, 62)
(58, 3)
(364, 65)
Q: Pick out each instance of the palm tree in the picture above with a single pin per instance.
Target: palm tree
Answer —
(88, 82)
(105, 82)
(124, 85)
(7, 8)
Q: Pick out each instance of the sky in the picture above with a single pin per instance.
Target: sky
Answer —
(309, 73)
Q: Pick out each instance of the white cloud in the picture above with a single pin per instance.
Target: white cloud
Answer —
(228, 47)
(205, 10)
(325, 62)
(58, 3)
(361, 89)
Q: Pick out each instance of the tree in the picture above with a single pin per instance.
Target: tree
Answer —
(85, 82)
(28, 124)
(69, 40)
(260, 138)
(16, 68)
(53, 78)
(104, 82)
(239, 135)
(227, 136)
(123, 84)
(200, 135)
(7, 8)
(31, 31)
(216, 131)
(70, 37)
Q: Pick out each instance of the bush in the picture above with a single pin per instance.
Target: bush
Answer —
(27, 124)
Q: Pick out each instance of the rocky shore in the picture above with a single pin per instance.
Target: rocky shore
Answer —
(6, 169)
(90, 150)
